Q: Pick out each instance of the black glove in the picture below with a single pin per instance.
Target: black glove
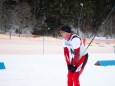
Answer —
(72, 68)
(69, 67)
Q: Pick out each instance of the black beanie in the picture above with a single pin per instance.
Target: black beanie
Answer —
(66, 28)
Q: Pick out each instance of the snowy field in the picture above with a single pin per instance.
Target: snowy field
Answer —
(26, 65)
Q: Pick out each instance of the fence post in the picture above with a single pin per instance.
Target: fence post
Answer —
(43, 44)
(114, 48)
(10, 34)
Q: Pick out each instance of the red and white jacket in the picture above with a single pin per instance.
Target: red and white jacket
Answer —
(73, 49)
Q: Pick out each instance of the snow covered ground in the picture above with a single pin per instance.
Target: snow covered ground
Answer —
(49, 69)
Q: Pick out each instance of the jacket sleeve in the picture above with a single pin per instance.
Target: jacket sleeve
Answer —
(76, 42)
(66, 54)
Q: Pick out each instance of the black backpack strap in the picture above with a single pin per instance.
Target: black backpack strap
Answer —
(75, 36)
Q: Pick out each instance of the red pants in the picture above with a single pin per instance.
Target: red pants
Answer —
(73, 78)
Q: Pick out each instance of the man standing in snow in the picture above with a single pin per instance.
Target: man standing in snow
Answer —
(74, 54)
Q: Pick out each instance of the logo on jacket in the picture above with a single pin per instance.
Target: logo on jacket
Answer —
(68, 44)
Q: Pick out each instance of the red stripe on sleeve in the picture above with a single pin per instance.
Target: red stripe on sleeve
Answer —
(66, 54)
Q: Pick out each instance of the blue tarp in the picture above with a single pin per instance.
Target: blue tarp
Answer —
(106, 63)
(2, 66)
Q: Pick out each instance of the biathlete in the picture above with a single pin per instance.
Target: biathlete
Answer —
(74, 54)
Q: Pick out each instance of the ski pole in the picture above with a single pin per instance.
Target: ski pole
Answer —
(97, 31)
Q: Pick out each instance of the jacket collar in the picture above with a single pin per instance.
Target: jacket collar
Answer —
(70, 37)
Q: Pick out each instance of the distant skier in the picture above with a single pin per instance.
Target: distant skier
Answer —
(74, 54)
